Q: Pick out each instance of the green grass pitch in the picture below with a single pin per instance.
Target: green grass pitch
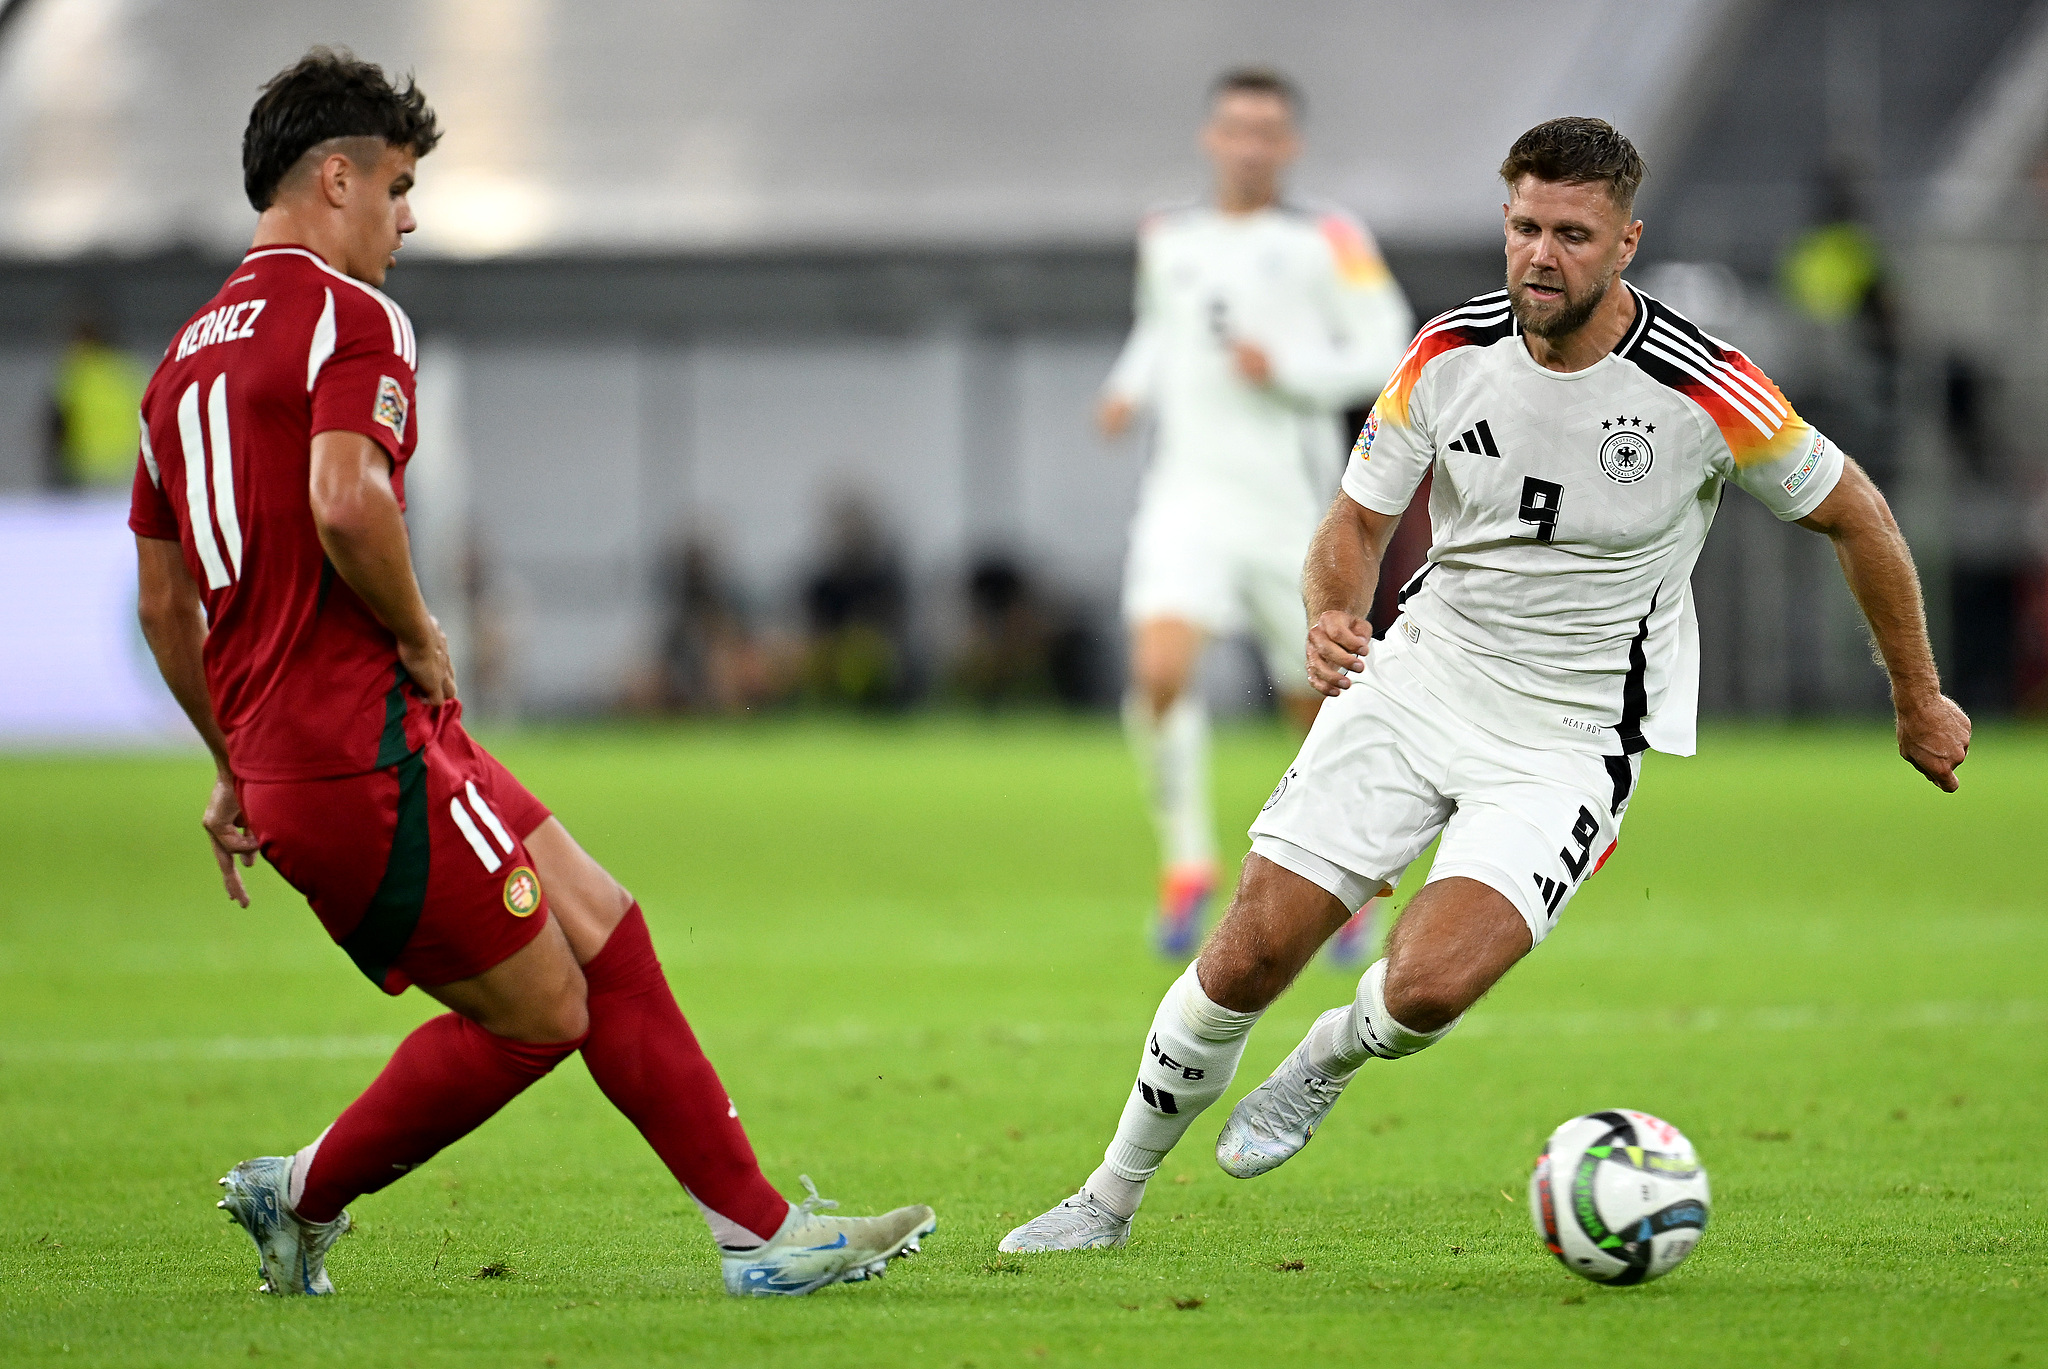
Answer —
(917, 952)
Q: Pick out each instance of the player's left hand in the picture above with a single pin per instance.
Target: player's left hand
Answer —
(1252, 362)
(231, 839)
(1934, 737)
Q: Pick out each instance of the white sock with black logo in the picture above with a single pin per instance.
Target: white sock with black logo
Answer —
(1173, 758)
(1190, 1055)
(1345, 1038)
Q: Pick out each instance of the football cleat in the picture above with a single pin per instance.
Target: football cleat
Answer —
(811, 1250)
(291, 1254)
(1079, 1223)
(1184, 893)
(1275, 1120)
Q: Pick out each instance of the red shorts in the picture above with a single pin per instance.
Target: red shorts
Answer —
(418, 870)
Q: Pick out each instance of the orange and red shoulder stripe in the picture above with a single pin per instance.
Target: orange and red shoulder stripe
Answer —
(1478, 322)
(1755, 419)
(1358, 259)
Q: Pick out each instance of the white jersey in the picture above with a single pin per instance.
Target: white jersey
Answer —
(1567, 510)
(1307, 287)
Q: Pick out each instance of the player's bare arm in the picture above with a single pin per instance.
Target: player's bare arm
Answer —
(1934, 734)
(1339, 579)
(1113, 416)
(1251, 361)
(174, 624)
(363, 532)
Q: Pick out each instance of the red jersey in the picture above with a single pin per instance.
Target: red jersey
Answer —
(304, 679)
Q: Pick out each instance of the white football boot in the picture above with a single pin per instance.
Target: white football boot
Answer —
(291, 1253)
(811, 1250)
(1079, 1223)
(1275, 1120)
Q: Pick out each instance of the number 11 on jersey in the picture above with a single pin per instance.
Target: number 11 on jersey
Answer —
(219, 570)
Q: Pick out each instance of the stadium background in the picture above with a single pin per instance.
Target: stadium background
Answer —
(726, 272)
(782, 283)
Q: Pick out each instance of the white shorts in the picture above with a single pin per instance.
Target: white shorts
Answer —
(1388, 766)
(1187, 564)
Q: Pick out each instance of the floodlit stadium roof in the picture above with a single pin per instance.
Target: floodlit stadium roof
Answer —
(720, 125)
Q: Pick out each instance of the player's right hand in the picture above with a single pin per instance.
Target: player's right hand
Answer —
(1113, 416)
(1337, 645)
(231, 840)
(1934, 738)
(431, 668)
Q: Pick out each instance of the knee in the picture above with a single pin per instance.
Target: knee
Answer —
(1242, 978)
(1159, 685)
(1421, 1000)
(572, 1017)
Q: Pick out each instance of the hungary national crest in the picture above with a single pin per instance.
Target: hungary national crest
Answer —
(522, 892)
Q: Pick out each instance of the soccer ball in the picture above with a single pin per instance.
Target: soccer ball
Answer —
(1618, 1196)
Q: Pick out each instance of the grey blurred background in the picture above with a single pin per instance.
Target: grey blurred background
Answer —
(747, 327)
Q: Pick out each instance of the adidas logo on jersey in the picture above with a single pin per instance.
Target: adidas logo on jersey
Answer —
(1478, 440)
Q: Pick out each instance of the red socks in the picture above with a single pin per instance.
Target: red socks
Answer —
(451, 1075)
(646, 1059)
(445, 1080)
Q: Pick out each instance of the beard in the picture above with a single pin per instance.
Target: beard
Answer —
(1570, 316)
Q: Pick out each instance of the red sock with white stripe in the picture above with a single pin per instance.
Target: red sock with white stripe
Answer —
(444, 1081)
(644, 1056)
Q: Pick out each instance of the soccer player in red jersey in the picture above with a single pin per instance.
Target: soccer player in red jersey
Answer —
(277, 593)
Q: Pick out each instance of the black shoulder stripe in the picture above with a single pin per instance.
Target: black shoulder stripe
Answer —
(1665, 316)
(1479, 306)
(1479, 321)
(1646, 309)
(1650, 312)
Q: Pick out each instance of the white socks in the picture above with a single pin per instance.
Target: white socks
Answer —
(1190, 1055)
(1345, 1038)
(1173, 757)
(302, 1162)
(730, 1235)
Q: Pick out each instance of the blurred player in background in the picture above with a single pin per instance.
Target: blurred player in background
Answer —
(92, 427)
(1259, 321)
(278, 595)
(1582, 434)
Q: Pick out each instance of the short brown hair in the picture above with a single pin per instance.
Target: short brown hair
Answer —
(1259, 81)
(1578, 151)
(328, 93)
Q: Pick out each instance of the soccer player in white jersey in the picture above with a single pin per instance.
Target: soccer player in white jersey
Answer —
(1581, 435)
(1258, 322)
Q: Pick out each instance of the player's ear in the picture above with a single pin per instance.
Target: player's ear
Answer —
(336, 171)
(1631, 241)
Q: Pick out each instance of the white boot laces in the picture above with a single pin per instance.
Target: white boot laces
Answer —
(1295, 1109)
(814, 1204)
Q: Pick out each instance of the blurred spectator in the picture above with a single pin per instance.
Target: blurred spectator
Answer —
(1834, 274)
(485, 650)
(711, 659)
(1025, 646)
(856, 607)
(1005, 658)
(2030, 670)
(94, 424)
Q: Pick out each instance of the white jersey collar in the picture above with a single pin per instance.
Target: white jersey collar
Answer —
(1628, 340)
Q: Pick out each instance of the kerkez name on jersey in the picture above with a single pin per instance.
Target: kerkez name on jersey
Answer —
(228, 323)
